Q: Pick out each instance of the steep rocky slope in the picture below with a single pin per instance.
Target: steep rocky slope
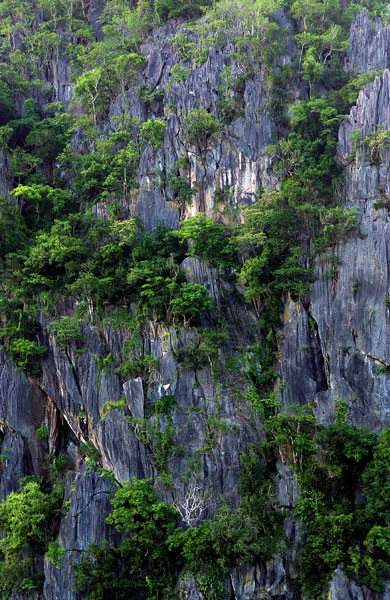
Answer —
(328, 347)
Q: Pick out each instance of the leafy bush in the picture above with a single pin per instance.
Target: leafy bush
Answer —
(25, 354)
(113, 404)
(208, 240)
(55, 553)
(201, 127)
(340, 526)
(142, 365)
(7, 107)
(181, 188)
(66, 329)
(28, 519)
(166, 9)
(377, 144)
(88, 449)
(189, 301)
(205, 350)
(13, 230)
(152, 133)
(42, 432)
(179, 74)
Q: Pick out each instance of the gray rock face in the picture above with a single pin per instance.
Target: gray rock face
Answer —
(21, 413)
(18, 463)
(88, 497)
(369, 44)
(302, 365)
(341, 588)
(348, 337)
(134, 394)
(60, 79)
(5, 178)
(236, 159)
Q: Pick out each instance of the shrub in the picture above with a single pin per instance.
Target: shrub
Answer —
(205, 350)
(189, 301)
(28, 518)
(166, 9)
(208, 240)
(183, 193)
(12, 228)
(25, 354)
(152, 133)
(66, 329)
(89, 450)
(113, 405)
(337, 225)
(179, 74)
(143, 365)
(55, 553)
(42, 432)
(201, 127)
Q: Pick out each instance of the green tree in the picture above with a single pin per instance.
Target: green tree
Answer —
(92, 93)
(189, 301)
(126, 67)
(143, 564)
(28, 519)
(39, 203)
(7, 107)
(201, 127)
(152, 133)
(66, 329)
(166, 9)
(208, 239)
(13, 232)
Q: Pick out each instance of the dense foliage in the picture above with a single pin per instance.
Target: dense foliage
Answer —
(28, 520)
(342, 504)
(155, 550)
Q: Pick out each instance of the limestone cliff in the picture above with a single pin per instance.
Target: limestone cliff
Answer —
(330, 347)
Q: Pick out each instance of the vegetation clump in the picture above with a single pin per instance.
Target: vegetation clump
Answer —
(28, 521)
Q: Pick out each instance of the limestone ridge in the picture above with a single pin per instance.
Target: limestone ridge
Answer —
(71, 391)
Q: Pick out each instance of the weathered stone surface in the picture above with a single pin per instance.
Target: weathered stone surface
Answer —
(286, 486)
(301, 363)
(83, 524)
(5, 178)
(18, 463)
(21, 413)
(342, 588)
(188, 590)
(198, 272)
(369, 41)
(21, 402)
(121, 452)
(256, 583)
(348, 346)
(61, 80)
(350, 310)
(134, 394)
